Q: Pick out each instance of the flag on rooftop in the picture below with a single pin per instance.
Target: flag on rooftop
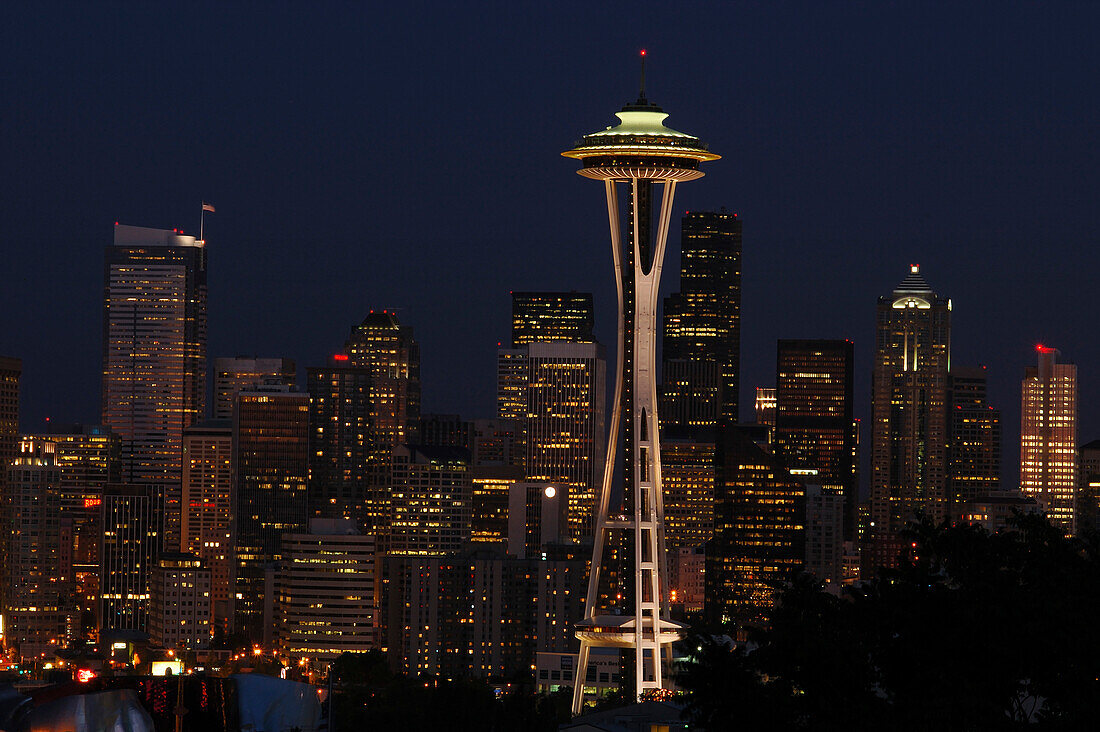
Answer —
(208, 207)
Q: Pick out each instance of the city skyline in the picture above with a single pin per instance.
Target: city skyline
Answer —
(955, 188)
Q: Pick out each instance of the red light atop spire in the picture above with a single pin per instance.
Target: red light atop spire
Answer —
(643, 52)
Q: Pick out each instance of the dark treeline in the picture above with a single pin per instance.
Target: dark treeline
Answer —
(975, 631)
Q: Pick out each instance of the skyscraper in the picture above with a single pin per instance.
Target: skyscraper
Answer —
(973, 439)
(366, 403)
(815, 431)
(759, 528)
(702, 324)
(208, 510)
(909, 408)
(10, 371)
(89, 459)
(39, 607)
(131, 542)
(271, 446)
(430, 509)
(565, 424)
(154, 355)
(551, 316)
(1048, 437)
(639, 152)
(243, 373)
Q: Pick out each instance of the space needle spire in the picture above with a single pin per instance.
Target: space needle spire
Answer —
(627, 602)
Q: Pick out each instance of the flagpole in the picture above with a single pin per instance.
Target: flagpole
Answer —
(202, 219)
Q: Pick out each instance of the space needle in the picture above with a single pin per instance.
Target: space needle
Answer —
(632, 611)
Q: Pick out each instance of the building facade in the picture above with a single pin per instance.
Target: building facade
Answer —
(325, 591)
(154, 356)
(430, 508)
(179, 601)
(566, 441)
(131, 525)
(209, 501)
(973, 439)
(909, 415)
(816, 433)
(1048, 437)
(702, 323)
(271, 469)
(243, 373)
(543, 317)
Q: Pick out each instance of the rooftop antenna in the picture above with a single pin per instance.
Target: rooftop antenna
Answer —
(641, 91)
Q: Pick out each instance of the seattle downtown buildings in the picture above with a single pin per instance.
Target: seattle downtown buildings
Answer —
(332, 514)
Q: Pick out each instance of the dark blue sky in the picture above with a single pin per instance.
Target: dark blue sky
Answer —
(408, 157)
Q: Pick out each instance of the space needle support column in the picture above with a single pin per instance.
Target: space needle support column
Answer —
(632, 611)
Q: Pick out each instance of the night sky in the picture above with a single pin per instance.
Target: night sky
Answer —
(406, 156)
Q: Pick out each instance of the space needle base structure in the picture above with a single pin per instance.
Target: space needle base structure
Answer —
(635, 157)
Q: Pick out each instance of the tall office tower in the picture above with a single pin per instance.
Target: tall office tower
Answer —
(512, 368)
(759, 529)
(1088, 489)
(271, 449)
(387, 349)
(208, 507)
(39, 610)
(89, 458)
(490, 488)
(542, 317)
(10, 370)
(180, 589)
(815, 431)
(242, 373)
(639, 153)
(1048, 437)
(909, 410)
(702, 322)
(565, 424)
(825, 512)
(131, 525)
(325, 591)
(366, 403)
(444, 430)
(973, 439)
(154, 355)
(340, 444)
(687, 477)
(430, 506)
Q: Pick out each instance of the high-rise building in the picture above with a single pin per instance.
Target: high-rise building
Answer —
(243, 373)
(496, 442)
(520, 607)
(638, 155)
(541, 317)
(325, 600)
(430, 506)
(759, 529)
(39, 611)
(208, 509)
(766, 406)
(909, 414)
(180, 589)
(10, 371)
(815, 431)
(1088, 490)
(89, 457)
(387, 349)
(565, 424)
(366, 403)
(271, 445)
(702, 323)
(1048, 437)
(131, 525)
(341, 448)
(154, 355)
(973, 439)
(687, 477)
(825, 512)
(444, 430)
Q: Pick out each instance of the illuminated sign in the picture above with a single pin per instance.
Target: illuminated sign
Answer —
(162, 668)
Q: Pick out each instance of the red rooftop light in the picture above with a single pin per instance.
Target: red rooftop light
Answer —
(340, 357)
(1043, 349)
